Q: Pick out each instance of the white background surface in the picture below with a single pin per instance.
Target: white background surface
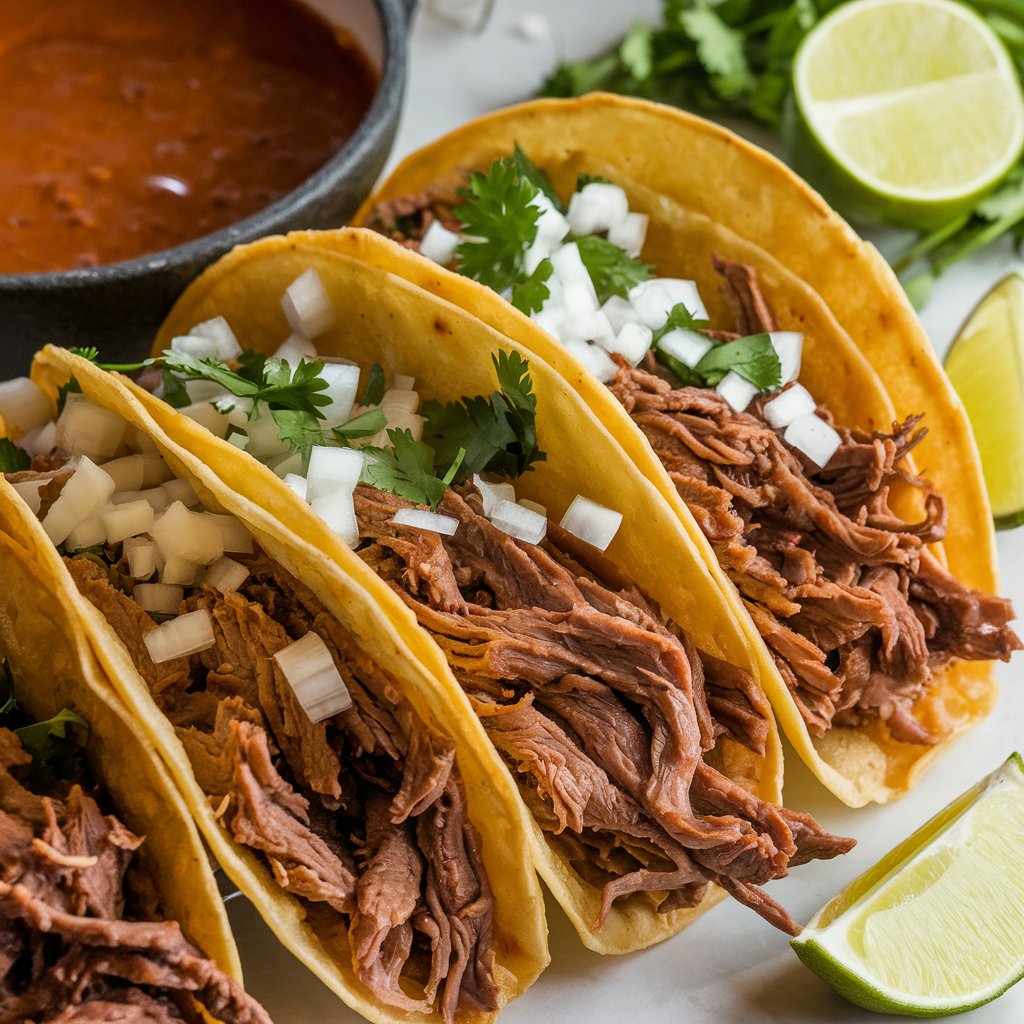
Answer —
(730, 967)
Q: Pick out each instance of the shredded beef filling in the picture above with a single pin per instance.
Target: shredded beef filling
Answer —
(68, 950)
(604, 712)
(364, 813)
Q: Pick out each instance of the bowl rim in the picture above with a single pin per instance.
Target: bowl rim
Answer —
(394, 18)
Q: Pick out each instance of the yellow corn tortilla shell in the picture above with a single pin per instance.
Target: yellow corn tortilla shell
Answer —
(315, 934)
(383, 319)
(866, 355)
(54, 668)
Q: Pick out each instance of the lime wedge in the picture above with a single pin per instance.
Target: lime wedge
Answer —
(905, 110)
(937, 926)
(986, 366)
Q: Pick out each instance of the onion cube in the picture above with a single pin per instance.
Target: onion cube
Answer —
(491, 493)
(23, 406)
(633, 342)
(579, 299)
(620, 312)
(400, 398)
(142, 557)
(203, 390)
(551, 321)
(263, 440)
(39, 441)
(239, 439)
(163, 598)
(439, 244)
(788, 347)
(737, 391)
(128, 520)
(399, 419)
(83, 496)
(589, 327)
(218, 330)
(294, 349)
(631, 234)
(814, 437)
(538, 251)
(85, 428)
(226, 575)
(314, 678)
(569, 268)
(333, 470)
(292, 463)
(339, 515)
(688, 347)
(421, 519)
(298, 484)
(342, 385)
(187, 634)
(193, 536)
(196, 346)
(126, 473)
(179, 489)
(139, 441)
(404, 383)
(655, 299)
(787, 405)
(237, 410)
(596, 208)
(519, 522)
(29, 493)
(156, 496)
(595, 359)
(591, 522)
(86, 534)
(179, 572)
(534, 506)
(307, 305)
(154, 470)
(206, 415)
(235, 536)
(552, 226)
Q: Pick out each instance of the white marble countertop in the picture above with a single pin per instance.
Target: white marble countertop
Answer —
(729, 967)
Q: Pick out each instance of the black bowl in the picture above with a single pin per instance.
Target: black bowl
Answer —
(118, 307)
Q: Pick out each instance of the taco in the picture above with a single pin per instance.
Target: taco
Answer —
(338, 788)
(600, 620)
(108, 905)
(679, 278)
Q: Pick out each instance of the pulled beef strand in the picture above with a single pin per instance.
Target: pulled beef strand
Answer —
(599, 707)
(66, 950)
(858, 614)
(351, 813)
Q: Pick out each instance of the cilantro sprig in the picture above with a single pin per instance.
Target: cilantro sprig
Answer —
(407, 469)
(612, 269)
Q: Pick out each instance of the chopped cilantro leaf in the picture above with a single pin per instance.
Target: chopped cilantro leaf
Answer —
(366, 424)
(90, 352)
(300, 429)
(500, 220)
(407, 469)
(754, 358)
(175, 394)
(688, 377)
(532, 173)
(679, 318)
(611, 269)
(12, 458)
(375, 386)
(529, 295)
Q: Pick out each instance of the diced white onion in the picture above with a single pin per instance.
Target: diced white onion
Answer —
(179, 489)
(298, 484)
(264, 443)
(294, 349)
(591, 522)
(399, 419)
(400, 398)
(589, 327)
(88, 533)
(139, 441)
(439, 244)
(491, 493)
(552, 226)
(39, 441)
(620, 312)
(128, 520)
(234, 535)
(632, 342)
(534, 506)
(84, 494)
(238, 439)
(307, 305)
(218, 330)
(339, 515)
(193, 536)
(519, 522)
(814, 437)
(688, 347)
(289, 464)
(595, 359)
(206, 415)
(314, 678)
(126, 473)
(788, 347)
(596, 208)
(404, 383)
(570, 269)
(550, 320)
(156, 496)
(86, 428)
(786, 406)
(195, 346)
(424, 520)
(342, 385)
(654, 300)
(236, 409)
(154, 471)
(631, 234)
(539, 250)
(333, 470)
(29, 491)
(179, 572)
(579, 299)
(23, 406)
(204, 390)
(226, 575)
(187, 634)
(737, 391)
(163, 598)
(142, 557)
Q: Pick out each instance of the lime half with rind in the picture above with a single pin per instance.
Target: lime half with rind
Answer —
(986, 366)
(937, 926)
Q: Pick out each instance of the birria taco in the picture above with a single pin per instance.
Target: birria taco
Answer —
(348, 796)
(108, 906)
(592, 648)
(682, 281)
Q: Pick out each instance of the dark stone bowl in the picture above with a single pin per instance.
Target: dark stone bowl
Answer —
(118, 307)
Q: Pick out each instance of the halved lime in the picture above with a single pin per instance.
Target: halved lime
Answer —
(986, 366)
(937, 926)
(905, 110)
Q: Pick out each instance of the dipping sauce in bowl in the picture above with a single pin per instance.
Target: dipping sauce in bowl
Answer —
(132, 126)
